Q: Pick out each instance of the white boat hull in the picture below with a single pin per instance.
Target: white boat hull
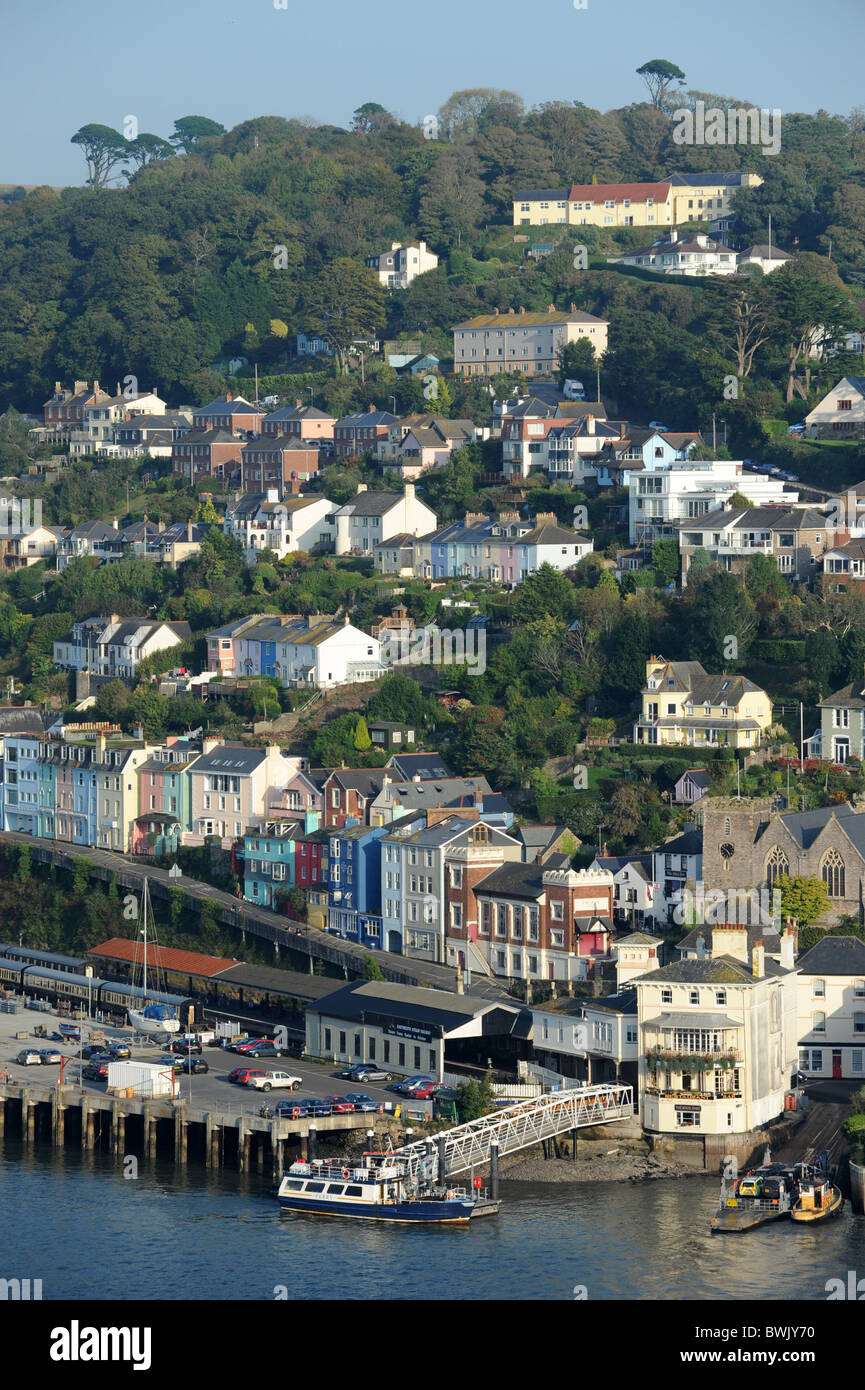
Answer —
(155, 1027)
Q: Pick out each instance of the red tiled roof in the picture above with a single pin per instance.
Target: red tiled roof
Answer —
(602, 192)
(162, 957)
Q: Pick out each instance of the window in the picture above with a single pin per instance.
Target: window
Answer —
(666, 996)
(777, 867)
(720, 996)
(693, 996)
(833, 874)
(687, 1119)
(818, 989)
(859, 989)
(859, 1023)
(557, 911)
(818, 1023)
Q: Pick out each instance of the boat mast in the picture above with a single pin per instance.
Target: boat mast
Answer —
(144, 975)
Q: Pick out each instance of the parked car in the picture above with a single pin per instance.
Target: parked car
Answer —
(314, 1105)
(28, 1057)
(263, 1048)
(94, 1050)
(365, 1104)
(119, 1051)
(274, 1080)
(49, 1056)
(364, 1071)
(240, 1043)
(241, 1075)
(404, 1087)
(96, 1069)
(191, 1065)
(656, 425)
(186, 1046)
(340, 1105)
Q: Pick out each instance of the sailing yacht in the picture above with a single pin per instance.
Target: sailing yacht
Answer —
(157, 1020)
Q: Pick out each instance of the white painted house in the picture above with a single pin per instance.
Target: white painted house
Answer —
(371, 517)
(682, 254)
(830, 1009)
(261, 522)
(841, 413)
(323, 653)
(664, 493)
(398, 267)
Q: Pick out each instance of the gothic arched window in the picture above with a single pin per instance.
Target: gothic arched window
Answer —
(777, 867)
(832, 871)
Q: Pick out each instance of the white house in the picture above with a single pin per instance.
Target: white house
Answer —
(665, 492)
(636, 955)
(830, 1009)
(261, 522)
(682, 254)
(116, 647)
(590, 1041)
(768, 258)
(633, 888)
(324, 653)
(371, 517)
(841, 413)
(96, 432)
(403, 263)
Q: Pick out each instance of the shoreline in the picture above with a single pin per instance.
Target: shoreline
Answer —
(623, 1167)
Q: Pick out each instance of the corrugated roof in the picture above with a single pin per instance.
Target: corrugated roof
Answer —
(162, 957)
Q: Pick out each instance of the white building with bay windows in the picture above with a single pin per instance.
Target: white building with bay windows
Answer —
(717, 1037)
(830, 1012)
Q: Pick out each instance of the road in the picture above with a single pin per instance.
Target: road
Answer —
(295, 936)
(210, 1090)
(828, 1108)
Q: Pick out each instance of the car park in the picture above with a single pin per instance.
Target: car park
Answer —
(422, 1092)
(93, 1050)
(364, 1071)
(191, 1065)
(274, 1080)
(28, 1057)
(265, 1047)
(185, 1046)
(49, 1056)
(118, 1051)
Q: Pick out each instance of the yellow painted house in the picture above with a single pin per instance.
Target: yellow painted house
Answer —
(678, 199)
(683, 704)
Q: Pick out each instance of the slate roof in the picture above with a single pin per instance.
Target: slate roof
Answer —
(835, 955)
(851, 697)
(428, 765)
(624, 1003)
(722, 970)
(805, 826)
(443, 792)
(689, 842)
(370, 504)
(756, 935)
(533, 195)
(699, 776)
(234, 762)
(367, 781)
(21, 719)
(222, 406)
(410, 1002)
(514, 881)
(700, 180)
(705, 689)
(529, 320)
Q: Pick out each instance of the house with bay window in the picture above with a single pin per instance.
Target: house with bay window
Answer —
(717, 1038)
(842, 724)
(683, 704)
(589, 1041)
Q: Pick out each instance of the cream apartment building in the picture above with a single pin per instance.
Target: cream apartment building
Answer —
(522, 342)
(671, 201)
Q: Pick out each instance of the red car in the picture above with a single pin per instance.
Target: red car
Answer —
(242, 1074)
(423, 1091)
(340, 1105)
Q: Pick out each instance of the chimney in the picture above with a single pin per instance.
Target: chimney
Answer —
(96, 388)
(372, 408)
(138, 731)
(117, 389)
(361, 487)
(79, 386)
(758, 961)
(188, 531)
(345, 620)
(100, 745)
(788, 949)
(115, 525)
(409, 492)
(228, 396)
(730, 940)
(416, 777)
(551, 308)
(495, 315)
(522, 308)
(57, 388)
(674, 235)
(701, 948)
(299, 405)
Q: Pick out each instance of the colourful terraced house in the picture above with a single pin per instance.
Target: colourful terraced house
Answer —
(278, 856)
(165, 797)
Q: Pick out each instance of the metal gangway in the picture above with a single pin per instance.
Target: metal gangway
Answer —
(517, 1126)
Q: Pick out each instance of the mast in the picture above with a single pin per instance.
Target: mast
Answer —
(144, 975)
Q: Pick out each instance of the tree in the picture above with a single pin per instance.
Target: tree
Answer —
(189, 130)
(146, 149)
(461, 116)
(362, 740)
(345, 302)
(103, 149)
(659, 75)
(371, 119)
(474, 1099)
(371, 969)
(666, 560)
(803, 898)
(813, 311)
(576, 359)
(546, 592)
(625, 812)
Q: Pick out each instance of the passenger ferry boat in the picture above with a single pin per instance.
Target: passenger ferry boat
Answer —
(380, 1189)
(819, 1199)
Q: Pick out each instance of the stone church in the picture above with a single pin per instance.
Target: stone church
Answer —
(751, 844)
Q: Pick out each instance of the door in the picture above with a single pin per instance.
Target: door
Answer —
(842, 750)
(836, 1063)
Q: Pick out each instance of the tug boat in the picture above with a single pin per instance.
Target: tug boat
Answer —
(381, 1188)
(819, 1199)
(762, 1195)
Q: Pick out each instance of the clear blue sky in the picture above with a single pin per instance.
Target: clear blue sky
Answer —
(64, 65)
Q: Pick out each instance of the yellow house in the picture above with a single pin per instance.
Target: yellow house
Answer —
(683, 704)
(706, 197)
(522, 342)
(675, 200)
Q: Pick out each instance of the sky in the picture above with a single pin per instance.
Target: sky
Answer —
(64, 66)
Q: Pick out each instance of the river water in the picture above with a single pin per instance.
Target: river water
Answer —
(77, 1224)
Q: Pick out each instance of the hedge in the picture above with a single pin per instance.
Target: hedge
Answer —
(787, 650)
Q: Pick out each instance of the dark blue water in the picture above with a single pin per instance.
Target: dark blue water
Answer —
(74, 1222)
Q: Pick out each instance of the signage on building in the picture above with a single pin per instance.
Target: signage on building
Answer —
(686, 1107)
(414, 1032)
